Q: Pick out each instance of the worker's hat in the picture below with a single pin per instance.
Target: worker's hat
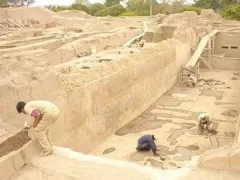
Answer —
(202, 115)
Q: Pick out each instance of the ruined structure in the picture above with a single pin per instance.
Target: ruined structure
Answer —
(110, 92)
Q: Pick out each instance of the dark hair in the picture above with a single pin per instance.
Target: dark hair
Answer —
(153, 138)
(20, 106)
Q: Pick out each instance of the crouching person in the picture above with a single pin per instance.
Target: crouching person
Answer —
(204, 123)
(146, 143)
(192, 81)
(45, 114)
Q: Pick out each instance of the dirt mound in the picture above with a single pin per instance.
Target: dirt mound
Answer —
(176, 19)
(160, 18)
(184, 34)
(210, 15)
(73, 14)
(40, 15)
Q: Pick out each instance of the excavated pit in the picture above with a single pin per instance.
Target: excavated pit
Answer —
(104, 94)
(14, 143)
(173, 120)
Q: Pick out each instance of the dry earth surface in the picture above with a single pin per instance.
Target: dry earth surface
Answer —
(110, 92)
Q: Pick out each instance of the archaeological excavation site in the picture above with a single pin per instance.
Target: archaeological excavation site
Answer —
(111, 89)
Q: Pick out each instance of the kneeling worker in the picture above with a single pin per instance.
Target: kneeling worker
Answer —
(192, 81)
(45, 114)
(146, 143)
(205, 123)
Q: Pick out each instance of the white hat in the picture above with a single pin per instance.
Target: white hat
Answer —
(202, 115)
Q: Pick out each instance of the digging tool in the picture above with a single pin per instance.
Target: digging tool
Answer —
(162, 158)
(26, 127)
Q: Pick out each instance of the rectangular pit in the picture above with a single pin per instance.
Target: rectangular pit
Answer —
(14, 143)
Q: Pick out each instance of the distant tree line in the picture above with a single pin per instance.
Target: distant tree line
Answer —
(228, 8)
(15, 3)
(133, 8)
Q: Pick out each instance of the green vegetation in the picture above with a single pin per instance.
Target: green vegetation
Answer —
(129, 13)
(78, 7)
(230, 9)
(114, 10)
(232, 12)
(3, 4)
(16, 3)
(191, 8)
(93, 8)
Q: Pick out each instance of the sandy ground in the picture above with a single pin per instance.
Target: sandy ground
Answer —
(205, 174)
(199, 174)
(68, 165)
(172, 118)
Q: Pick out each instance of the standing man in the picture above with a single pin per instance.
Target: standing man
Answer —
(45, 114)
(146, 143)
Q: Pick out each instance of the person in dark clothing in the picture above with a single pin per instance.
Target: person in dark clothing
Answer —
(146, 143)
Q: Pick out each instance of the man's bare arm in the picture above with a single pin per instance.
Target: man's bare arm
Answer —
(36, 121)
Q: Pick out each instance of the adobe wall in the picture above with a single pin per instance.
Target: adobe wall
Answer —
(224, 158)
(225, 63)
(15, 160)
(98, 104)
(94, 105)
(227, 44)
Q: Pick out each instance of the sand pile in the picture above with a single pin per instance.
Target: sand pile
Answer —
(185, 34)
(39, 15)
(210, 15)
(73, 14)
(193, 26)
(160, 18)
(188, 17)
(173, 19)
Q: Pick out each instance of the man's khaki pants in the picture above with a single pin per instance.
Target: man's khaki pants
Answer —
(42, 130)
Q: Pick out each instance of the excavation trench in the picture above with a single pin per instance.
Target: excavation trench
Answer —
(14, 143)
